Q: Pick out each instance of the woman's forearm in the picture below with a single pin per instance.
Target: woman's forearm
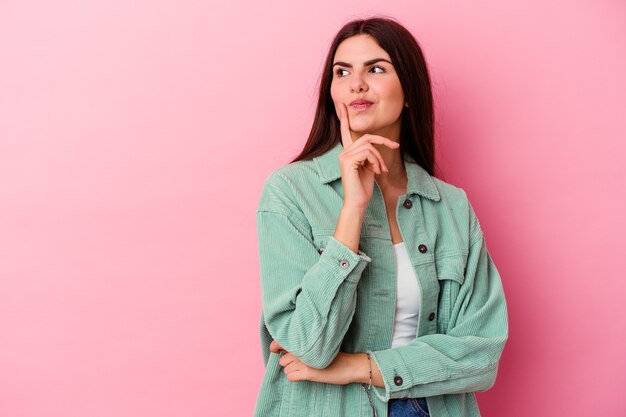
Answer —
(348, 229)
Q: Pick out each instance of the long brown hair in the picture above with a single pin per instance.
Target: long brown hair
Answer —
(417, 126)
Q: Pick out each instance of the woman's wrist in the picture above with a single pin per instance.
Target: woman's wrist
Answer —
(363, 368)
(362, 365)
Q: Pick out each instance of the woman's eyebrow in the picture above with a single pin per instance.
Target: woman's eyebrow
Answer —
(370, 62)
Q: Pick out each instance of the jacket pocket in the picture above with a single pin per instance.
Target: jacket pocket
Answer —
(451, 275)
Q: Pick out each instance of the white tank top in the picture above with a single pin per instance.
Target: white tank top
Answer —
(407, 299)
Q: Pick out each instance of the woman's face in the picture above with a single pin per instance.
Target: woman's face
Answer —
(362, 70)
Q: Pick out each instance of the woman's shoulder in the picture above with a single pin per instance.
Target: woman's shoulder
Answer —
(292, 175)
(287, 184)
(457, 205)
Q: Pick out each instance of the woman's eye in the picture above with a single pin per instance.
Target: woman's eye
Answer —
(340, 74)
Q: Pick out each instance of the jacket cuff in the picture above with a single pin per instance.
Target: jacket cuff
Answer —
(397, 380)
(343, 261)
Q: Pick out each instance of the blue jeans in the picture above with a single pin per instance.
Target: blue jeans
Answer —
(408, 407)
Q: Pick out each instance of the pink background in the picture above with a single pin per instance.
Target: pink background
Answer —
(135, 138)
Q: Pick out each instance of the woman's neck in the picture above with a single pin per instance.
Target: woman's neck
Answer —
(396, 178)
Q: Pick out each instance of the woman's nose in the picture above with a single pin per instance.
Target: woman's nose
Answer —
(358, 83)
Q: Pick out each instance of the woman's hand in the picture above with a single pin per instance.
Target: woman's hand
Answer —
(359, 161)
(276, 348)
(344, 369)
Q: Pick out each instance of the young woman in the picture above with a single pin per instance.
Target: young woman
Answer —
(379, 296)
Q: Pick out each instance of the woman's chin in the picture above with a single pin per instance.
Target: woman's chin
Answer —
(365, 131)
(361, 128)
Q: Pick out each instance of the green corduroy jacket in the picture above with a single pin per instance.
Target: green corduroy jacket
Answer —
(319, 297)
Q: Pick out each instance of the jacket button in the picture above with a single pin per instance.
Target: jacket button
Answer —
(320, 250)
(422, 248)
(344, 263)
(397, 380)
(408, 203)
(431, 316)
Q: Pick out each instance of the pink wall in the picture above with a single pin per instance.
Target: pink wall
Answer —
(134, 141)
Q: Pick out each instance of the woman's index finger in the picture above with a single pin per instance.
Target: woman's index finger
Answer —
(346, 137)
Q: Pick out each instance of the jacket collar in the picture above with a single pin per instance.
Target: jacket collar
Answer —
(419, 181)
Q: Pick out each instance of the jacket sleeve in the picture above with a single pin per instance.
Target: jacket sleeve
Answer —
(465, 359)
(308, 298)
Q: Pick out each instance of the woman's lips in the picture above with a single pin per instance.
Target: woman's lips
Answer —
(361, 106)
